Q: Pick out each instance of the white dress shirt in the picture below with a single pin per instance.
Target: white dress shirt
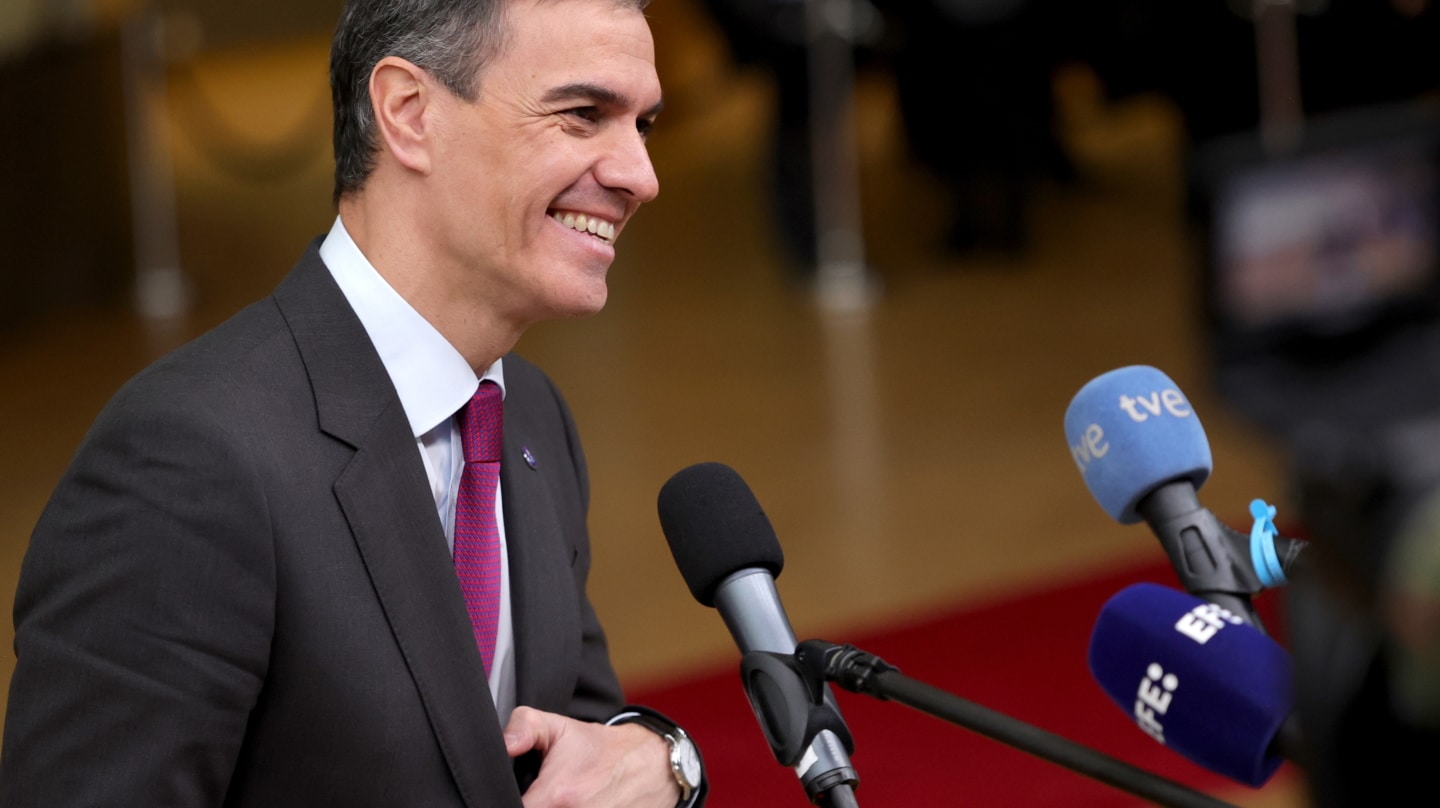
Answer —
(434, 382)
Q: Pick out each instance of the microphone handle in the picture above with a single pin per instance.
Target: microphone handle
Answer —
(839, 796)
(750, 606)
(860, 672)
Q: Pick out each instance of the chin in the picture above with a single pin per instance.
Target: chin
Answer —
(580, 302)
(568, 286)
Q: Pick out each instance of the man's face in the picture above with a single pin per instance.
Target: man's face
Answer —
(534, 181)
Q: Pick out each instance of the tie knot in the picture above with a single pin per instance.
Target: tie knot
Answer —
(481, 425)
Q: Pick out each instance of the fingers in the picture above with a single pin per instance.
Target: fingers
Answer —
(591, 765)
(532, 729)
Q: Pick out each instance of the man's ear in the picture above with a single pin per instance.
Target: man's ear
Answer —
(400, 95)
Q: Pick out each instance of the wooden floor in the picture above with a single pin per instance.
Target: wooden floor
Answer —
(911, 456)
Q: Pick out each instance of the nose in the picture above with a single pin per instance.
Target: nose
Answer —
(627, 169)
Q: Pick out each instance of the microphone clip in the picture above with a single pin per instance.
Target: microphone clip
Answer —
(845, 665)
(790, 705)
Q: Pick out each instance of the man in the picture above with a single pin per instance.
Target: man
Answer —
(241, 594)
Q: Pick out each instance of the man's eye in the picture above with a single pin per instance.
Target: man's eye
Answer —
(643, 126)
(590, 114)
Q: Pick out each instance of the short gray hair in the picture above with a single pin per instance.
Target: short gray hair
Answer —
(451, 40)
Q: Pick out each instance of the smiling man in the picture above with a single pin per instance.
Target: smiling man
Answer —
(334, 552)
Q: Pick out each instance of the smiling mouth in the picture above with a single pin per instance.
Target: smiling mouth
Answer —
(580, 222)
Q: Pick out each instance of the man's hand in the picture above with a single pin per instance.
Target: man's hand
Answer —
(592, 765)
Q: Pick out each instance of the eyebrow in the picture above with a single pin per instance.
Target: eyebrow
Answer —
(598, 94)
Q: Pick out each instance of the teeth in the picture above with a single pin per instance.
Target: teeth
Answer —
(586, 224)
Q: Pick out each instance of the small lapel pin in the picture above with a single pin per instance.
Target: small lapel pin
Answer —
(529, 456)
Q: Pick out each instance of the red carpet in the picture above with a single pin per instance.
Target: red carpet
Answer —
(1023, 656)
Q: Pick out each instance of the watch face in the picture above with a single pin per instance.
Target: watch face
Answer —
(688, 761)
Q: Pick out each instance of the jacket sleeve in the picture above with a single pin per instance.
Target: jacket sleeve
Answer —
(143, 615)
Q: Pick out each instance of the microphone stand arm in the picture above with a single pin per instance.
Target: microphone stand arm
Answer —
(861, 672)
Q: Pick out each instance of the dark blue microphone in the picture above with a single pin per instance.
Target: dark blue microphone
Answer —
(1196, 678)
(1143, 453)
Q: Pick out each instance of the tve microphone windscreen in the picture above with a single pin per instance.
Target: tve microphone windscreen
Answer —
(1195, 678)
(715, 528)
(1130, 431)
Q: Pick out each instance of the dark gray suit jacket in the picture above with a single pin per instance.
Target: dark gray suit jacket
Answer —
(240, 592)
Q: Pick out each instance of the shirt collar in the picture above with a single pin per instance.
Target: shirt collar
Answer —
(432, 379)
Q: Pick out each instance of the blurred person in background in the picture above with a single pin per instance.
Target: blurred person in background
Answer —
(974, 83)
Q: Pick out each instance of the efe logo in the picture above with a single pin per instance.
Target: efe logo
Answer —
(1202, 622)
(1157, 689)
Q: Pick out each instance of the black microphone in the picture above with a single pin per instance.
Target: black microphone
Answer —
(728, 554)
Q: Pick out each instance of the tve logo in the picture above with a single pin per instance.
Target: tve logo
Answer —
(1153, 699)
(1093, 444)
(1203, 622)
(1155, 404)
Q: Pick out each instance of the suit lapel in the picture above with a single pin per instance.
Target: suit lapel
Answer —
(542, 590)
(387, 502)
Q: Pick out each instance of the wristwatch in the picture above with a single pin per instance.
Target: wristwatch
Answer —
(685, 760)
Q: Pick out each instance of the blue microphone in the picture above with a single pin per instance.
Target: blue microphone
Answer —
(1196, 678)
(1142, 452)
(1130, 431)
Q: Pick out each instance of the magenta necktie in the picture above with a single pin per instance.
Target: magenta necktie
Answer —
(477, 536)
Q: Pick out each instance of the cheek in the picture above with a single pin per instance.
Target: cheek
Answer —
(557, 169)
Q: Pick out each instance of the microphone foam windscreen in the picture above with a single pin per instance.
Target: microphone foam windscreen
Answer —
(1194, 678)
(715, 527)
(1130, 431)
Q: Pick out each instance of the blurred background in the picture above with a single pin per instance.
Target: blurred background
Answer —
(893, 241)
